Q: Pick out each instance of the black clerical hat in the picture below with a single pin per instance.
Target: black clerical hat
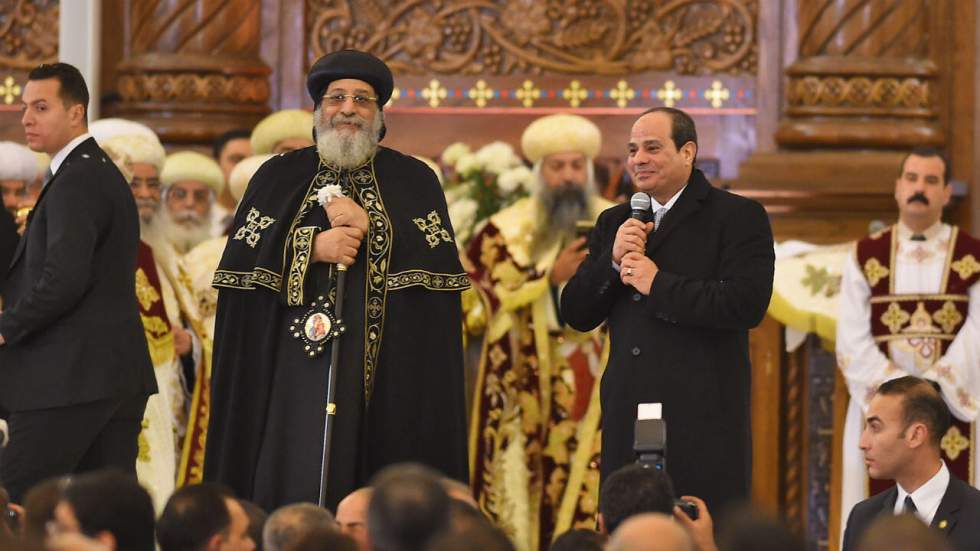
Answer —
(350, 64)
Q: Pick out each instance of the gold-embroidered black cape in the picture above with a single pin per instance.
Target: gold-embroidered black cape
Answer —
(400, 379)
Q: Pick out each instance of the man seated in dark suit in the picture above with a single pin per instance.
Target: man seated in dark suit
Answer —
(75, 370)
(905, 423)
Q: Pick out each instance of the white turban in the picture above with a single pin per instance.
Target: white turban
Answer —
(18, 162)
(192, 166)
(561, 133)
(242, 174)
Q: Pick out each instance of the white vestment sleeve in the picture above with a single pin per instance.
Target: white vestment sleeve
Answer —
(860, 360)
(958, 371)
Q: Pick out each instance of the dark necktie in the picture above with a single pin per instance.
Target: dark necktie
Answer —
(918, 237)
(658, 217)
(910, 507)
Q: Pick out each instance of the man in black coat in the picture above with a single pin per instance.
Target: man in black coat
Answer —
(905, 424)
(75, 370)
(679, 301)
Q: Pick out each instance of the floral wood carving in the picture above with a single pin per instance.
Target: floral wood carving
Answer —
(28, 33)
(513, 37)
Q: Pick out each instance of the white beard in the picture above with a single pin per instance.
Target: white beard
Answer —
(183, 237)
(344, 149)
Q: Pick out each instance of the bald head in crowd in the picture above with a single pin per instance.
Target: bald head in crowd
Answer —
(352, 515)
(650, 532)
(289, 524)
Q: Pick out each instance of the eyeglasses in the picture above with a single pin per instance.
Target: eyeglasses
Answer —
(359, 100)
(199, 195)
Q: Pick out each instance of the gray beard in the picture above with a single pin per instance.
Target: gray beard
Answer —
(182, 237)
(346, 150)
(559, 209)
(562, 207)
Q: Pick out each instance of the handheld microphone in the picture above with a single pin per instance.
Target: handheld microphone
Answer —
(640, 205)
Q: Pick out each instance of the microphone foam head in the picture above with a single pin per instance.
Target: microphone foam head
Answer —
(640, 201)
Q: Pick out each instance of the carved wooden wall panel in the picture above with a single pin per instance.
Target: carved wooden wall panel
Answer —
(482, 69)
(532, 37)
(192, 68)
(28, 37)
(864, 58)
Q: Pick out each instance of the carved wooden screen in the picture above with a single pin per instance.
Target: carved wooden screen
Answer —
(517, 59)
(28, 37)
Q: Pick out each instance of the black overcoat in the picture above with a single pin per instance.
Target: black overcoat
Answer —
(686, 344)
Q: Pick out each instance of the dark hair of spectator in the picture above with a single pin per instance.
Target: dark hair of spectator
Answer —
(322, 538)
(579, 540)
(632, 490)
(409, 506)
(743, 529)
(682, 129)
(902, 532)
(72, 90)
(221, 141)
(256, 521)
(192, 516)
(922, 402)
(480, 537)
(39, 505)
(926, 151)
(112, 501)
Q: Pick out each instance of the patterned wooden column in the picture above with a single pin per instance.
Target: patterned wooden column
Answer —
(873, 79)
(28, 37)
(865, 76)
(192, 69)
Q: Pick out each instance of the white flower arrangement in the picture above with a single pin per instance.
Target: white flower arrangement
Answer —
(517, 178)
(328, 192)
(454, 153)
(462, 214)
(484, 182)
(497, 157)
(467, 164)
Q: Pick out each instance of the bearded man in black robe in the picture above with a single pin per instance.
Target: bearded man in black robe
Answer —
(400, 390)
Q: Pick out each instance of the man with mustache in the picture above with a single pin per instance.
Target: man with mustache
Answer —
(521, 259)
(399, 377)
(910, 305)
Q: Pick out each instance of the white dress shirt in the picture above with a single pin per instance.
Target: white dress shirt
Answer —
(927, 497)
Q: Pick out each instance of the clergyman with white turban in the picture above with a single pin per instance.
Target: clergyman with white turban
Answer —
(191, 183)
(137, 152)
(18, 168)
(520, 262)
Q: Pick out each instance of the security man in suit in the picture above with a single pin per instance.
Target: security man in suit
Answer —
(679, 301)
(904, 427)
(75, 370)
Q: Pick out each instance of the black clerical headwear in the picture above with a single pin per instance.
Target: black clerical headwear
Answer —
(350, 64)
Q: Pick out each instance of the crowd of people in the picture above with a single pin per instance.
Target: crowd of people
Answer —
(187, 407)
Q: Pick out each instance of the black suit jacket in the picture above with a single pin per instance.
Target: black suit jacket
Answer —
(957, 516)
(8, 242)
(686, 344)
(70, 320)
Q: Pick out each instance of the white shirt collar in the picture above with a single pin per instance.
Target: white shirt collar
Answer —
(930, 233)
(927, 497)
(655, 205)
(60, 156)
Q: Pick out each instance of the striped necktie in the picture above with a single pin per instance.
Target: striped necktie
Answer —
(658, 217)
